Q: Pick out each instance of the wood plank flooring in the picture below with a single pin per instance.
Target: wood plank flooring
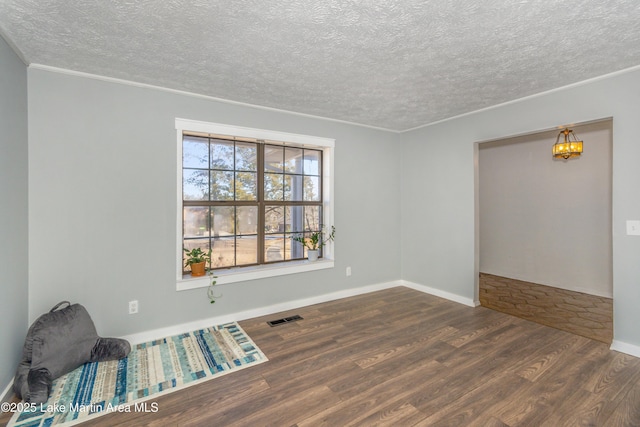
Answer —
(399, 357)
(587, 315)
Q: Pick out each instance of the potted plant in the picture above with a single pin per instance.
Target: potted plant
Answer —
(197, 259)
(314, 241)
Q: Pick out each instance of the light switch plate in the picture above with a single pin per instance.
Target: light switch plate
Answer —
(633, 228)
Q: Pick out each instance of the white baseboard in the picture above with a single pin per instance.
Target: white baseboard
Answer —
(146, 336)
(440, 293)
(257, 312)
(7, 394)
(141, 337)
(290, 305)
(623, 347)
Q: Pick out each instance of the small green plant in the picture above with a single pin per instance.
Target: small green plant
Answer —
(210, 290)
(195, 256)
(315, 240)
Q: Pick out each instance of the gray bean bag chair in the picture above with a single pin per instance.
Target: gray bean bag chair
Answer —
(57, 343)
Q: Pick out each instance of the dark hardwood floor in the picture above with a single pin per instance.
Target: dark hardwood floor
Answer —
(403, 358)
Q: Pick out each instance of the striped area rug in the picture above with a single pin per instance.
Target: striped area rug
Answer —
(151, 369)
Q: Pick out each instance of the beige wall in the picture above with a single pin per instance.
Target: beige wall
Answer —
(548, 221)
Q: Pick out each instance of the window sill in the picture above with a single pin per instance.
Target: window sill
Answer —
(251, 273)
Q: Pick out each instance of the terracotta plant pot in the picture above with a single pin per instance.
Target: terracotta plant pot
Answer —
(197, 269)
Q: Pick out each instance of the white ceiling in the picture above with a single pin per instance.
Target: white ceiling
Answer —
(393, 64)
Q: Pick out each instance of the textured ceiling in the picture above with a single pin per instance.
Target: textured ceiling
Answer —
(394, 64)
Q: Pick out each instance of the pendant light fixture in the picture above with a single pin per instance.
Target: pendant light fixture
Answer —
(568, 148)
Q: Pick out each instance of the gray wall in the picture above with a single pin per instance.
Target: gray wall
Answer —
(545, 220)
(439, 237)
(14, 266)
(102, 194)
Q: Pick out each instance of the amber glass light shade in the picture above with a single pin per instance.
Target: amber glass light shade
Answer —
(568, 148)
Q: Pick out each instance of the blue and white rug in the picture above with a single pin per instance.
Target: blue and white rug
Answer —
(152, 368)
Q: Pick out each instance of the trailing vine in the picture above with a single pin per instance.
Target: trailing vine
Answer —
(210, 290)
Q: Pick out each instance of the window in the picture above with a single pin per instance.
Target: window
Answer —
(243, 194)
(220, 199)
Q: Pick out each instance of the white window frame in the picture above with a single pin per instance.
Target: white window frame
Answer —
(241, 274)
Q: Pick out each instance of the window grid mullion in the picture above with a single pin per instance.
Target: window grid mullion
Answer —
(235, 206)
(260, 204)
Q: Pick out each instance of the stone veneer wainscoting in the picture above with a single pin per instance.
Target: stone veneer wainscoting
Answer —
(582, 314)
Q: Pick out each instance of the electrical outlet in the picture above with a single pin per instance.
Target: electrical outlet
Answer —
(133, 307)
(633, 228)
(348, 271)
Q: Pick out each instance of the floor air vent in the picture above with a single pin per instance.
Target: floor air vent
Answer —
(284, 320)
